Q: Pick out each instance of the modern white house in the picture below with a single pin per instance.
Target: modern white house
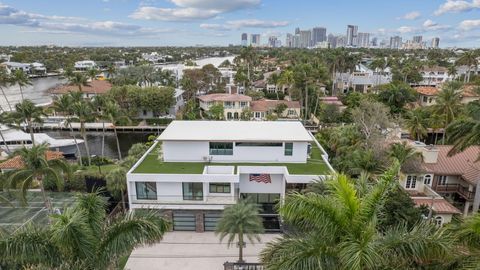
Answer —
(85, 65)
(197, 168)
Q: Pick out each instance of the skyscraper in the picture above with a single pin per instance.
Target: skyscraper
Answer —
(332, 40)
(395, 42)
(305, 38)
(272, 42)
(289, 41)
(319, 34)
(417, 39)
(255, 40)
(435, 42)
(352, 32)
(297, 31)
(363, 40)
(244, 39)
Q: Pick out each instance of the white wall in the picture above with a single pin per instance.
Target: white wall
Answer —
(194, 151)
(247, 186)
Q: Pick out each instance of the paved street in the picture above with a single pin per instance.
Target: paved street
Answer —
(191, 251)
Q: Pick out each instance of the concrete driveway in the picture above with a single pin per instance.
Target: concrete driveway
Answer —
(192, 251)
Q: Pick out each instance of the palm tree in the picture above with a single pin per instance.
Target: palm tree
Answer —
(436, 122)
(82, 237)
(63, 104)
(240, 220)
(114, 114)
(84, 113)
(452, 71)
(402, 152)
(36, 168)
(3, 83)
(92, 74)
(340, 230)
(3, 121)
(79, 80)
(286, 79)
(111, 70)
(21, 78)
(117, 183)
(469, 59)
(416, 122)
(27, 112)
(465, 132)
(448, 103)
(99, 102)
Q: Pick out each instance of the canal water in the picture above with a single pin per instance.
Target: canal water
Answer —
(95, 141)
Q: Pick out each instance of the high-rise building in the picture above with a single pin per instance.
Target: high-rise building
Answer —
(297, 31)
(244, 39)
(395, 42)
(417, 39)
(289, 41)
(374, 42)
(332, 39)
(363, 40)
(305, 38)
(272, 42)
(435, 42)
(255, 39)
(319, 34)
(352, 35)
(341, 41)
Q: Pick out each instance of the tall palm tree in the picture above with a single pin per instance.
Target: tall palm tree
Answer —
(79, 80)
(448, 103)
(82, 237)
(21, 78)
(84, 113)
(469, 59)
(239, 221)
(465, 132)
(4, 79)
(99, 102)
(117, 183)
(92, 75)
(340, 230)
(436, 122)
(63, 104)
(27, 112)
(402, 152)
(287, 79)
(111, 71)
(114, 113)
(416, 122)
(452, 71)
(36, 168)
(3, 120)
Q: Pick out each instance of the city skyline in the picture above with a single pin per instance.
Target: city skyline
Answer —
(221, 22)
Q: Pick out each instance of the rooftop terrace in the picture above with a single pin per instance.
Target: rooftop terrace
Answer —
(152, 165)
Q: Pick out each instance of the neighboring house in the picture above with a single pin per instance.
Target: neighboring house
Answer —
(12, 66)
(433, 76)
(470, 93)
(333, 101)
(85, 65)
(262, 108)
(172, 112)
(197, 168)
(233, 105)
(93, 88)
(361, 80)
(16, 162)
(454, 177)
(38, 68)
(427, 95)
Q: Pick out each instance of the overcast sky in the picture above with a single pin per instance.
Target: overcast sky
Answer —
(220, 22)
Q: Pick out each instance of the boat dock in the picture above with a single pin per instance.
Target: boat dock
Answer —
(98, 127)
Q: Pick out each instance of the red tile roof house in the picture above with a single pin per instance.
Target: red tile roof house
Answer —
(262, 108)
(454, 177)
(16, 162)
(96, 87)
(428, 94)
(233, 104)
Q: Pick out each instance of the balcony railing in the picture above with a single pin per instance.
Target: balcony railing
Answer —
(243, 266)
(456, 188)
(187, 199)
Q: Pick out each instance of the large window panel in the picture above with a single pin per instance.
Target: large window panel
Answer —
(193, 191)
(219, 187)
(221, 148)
(146, 190)
(288, 149)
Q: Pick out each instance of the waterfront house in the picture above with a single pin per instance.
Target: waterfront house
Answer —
(197, 168)
(93, 88)
(85, 65)
(427, 95)
(17, 163)
(264, 107)
(233, 105)
(172, 112)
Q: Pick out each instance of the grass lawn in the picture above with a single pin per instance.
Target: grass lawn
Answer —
(151, 164)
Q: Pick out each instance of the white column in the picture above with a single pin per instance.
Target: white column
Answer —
(476, 199)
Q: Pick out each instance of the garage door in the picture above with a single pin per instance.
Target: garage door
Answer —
(183, 222)
(211, 220)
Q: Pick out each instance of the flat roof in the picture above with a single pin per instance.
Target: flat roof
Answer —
(279, 131)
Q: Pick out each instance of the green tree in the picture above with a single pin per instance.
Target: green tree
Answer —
(465, 132)
(416, 122)
(402, 152)
(114, 113)
(99, 105)
(396, 96)
(27, 112)
(340, 230)
(21, 78)
(82, 237)
(216, 112)
(448, 103)
(239, 221)
(117, 183)
(4, 79)
(469, 59)
(79, 80)
(37, 168)
(84, 113)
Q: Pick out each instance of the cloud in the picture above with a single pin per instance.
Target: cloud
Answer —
(456, 6)
(248, 23)
(406, 29)
(469, 24)
(191, 10)
(12, 16)
(411, 15)
(430, 25)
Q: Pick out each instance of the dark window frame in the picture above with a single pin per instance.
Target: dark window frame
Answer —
(220, 148)
(148, 196)
(193, 186)
(288, 151)
(258, 144)
(218, 187)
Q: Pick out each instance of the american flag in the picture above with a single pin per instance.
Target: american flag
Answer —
(261, 178)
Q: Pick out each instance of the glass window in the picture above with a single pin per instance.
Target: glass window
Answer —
(219, 187)
(258, 144)
(288, 149)
(146, 190)
(427, 180)
(442, 180)
(411, 182)
(193, 191)
(438, 220)
(221, 148)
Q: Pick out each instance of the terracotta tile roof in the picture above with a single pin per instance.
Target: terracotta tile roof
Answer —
(427, 90)
(469, 91)
(462, 163)
(331, 100)
(224, 97)
(93, 87)
(440, 205)
(264, 105)
(16, 162)
(434, 69)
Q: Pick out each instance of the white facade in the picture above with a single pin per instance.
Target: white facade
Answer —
(84, 65)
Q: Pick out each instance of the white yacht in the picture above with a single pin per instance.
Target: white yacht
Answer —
(16, 139)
